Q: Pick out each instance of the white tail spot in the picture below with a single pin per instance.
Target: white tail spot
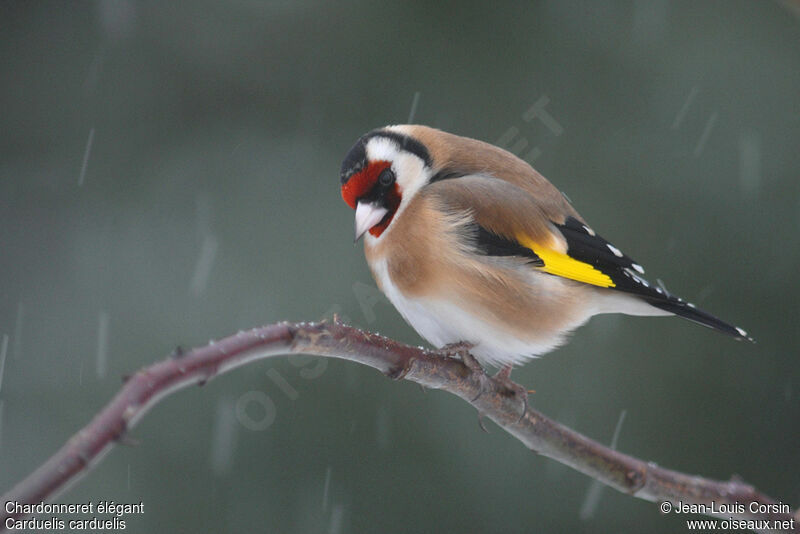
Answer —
(614, 249)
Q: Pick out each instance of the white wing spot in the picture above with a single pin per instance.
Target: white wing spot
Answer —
(588, 230)
(741, 332)
(690, 305)
(638, 268)
(614, 249)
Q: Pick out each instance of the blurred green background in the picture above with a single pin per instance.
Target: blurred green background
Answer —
(169, 174)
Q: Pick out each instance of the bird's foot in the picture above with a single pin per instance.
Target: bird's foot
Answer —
(461, 349)
(503, 378)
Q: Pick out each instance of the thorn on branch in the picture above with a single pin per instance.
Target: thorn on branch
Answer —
(737, 479)
(83, 456)
(399, 373)
(126, 439)
(480, 422)
(635, 480)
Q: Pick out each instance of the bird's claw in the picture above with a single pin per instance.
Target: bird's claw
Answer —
(461, 349)
(503, 378)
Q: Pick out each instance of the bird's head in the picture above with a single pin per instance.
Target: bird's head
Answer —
(380, 174)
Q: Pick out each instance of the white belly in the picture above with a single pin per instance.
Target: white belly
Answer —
(442, 322)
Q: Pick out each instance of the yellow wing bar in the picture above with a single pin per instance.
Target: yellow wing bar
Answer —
(561, 264)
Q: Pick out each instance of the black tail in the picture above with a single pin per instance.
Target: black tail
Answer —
(687, 310)
(586, 246)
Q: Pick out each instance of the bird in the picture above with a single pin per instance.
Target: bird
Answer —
(477, 250)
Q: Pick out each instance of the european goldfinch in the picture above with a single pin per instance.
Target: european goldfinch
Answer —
(473, 246)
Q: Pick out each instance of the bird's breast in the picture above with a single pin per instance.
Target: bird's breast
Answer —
(449, 292)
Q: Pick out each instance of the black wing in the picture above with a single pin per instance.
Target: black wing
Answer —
(586, 246)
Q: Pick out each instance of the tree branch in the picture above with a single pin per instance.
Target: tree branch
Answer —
(491, 397)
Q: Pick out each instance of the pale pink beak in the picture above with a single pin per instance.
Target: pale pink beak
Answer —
(367, 216)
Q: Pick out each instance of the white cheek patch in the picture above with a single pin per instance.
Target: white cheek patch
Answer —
(409, 169)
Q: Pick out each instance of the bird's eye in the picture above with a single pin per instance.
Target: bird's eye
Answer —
(386, 177)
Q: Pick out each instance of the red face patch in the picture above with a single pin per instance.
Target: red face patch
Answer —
(362, 182)
(393, 199)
